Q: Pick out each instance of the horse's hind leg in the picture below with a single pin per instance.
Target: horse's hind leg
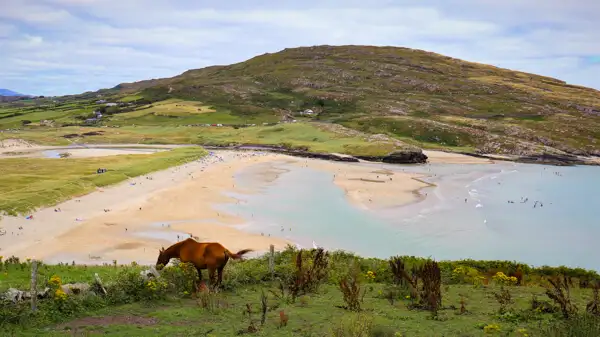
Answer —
(220, 275)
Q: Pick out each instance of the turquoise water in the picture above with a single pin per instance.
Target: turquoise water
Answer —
(562, 229)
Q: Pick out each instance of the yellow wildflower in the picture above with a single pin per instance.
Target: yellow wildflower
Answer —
(55, 281)
(491, 328)
(502, 278)
(60, 295)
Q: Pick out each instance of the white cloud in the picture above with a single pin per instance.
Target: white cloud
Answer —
(89, 44)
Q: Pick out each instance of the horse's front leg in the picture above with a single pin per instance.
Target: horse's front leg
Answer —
(212, 277)
(198, 284)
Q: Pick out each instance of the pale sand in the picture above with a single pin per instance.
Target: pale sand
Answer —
(186, 194)
(453, 158)
(371, 187)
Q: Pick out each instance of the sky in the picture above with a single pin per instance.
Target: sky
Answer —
(58, 47)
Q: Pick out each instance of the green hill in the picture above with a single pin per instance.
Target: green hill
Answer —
(417, 97)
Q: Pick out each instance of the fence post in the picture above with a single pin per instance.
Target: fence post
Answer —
(272, 261)
(34, 268)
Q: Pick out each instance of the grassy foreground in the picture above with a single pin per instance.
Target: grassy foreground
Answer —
(343, 296)
(29, 183)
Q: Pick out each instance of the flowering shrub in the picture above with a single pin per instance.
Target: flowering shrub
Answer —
(155, 289)
(502, 279)
(181, 278)
(370, 276)
(469, 275)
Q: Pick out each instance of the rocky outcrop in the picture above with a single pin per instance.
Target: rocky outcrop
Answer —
(553, 159)
(405, 157)
(412, 156)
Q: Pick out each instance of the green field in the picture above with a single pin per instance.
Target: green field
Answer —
(134, 307)
(306, 135)
(29, 183)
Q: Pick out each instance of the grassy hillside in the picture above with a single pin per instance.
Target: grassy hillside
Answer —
(416, 97)
(477, 299)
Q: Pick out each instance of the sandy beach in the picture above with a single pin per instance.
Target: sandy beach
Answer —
(130, 221)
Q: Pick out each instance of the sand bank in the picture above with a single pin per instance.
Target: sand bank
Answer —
(370, 187)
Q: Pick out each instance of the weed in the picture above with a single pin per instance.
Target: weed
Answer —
(306, 279)
(463, 308)
(431, 294)
(593, 307)
(560, 294)
(359, 325)
(504, 298)
(541, 306)
(575, 326)
(351, 290)
(251, 326)
(283, 319)
(264, 307)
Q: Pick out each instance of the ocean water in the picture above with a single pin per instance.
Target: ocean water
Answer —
(540, 215)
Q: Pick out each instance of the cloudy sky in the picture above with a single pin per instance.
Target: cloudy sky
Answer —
(55, 47)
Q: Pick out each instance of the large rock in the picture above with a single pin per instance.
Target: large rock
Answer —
(16, 295)
(413, 156)
(75, 288)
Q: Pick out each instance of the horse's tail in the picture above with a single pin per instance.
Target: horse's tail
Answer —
(237, 255)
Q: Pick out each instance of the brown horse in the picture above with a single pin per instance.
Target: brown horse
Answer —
(204, 255)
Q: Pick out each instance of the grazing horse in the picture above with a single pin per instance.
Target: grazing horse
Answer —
(204, 255)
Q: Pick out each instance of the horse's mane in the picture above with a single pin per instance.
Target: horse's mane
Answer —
(176, 246)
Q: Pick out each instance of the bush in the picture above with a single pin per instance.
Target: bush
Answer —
(181, 278)
(130, 286)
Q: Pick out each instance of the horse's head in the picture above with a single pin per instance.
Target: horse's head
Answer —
(163, 259)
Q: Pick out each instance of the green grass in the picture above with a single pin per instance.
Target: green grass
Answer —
(130, 98)
(293, 134)
(314, 314)
(29, 183)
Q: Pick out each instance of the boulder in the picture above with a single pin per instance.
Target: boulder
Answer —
(75, 288)
(413, 156)
(15, 295)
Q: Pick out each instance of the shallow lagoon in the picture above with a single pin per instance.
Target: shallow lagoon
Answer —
(562, 229)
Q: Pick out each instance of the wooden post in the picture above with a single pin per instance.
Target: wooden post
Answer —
(34, 268)
(272, 261)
